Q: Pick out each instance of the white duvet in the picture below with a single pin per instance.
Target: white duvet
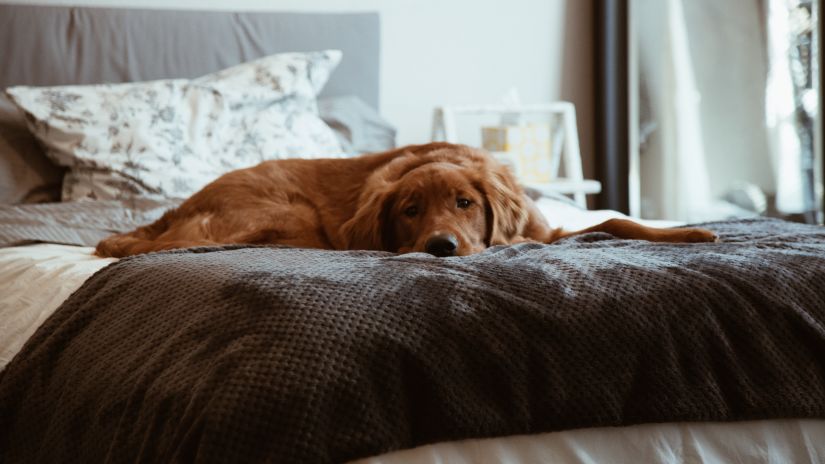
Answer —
(36, 279)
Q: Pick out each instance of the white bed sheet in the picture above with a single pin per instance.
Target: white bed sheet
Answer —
(35, 279)
(571, 217)
(768, 441)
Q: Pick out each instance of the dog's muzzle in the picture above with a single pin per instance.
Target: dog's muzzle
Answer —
(441, 245)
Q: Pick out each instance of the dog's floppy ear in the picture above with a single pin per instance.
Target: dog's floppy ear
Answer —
(507, 213)
(368, 228)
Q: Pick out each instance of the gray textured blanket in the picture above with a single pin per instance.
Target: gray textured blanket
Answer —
(244, 354)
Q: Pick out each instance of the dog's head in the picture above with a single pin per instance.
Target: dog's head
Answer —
(450, 200)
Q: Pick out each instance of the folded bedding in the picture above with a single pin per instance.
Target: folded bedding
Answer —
(238, 353)
(81, 223)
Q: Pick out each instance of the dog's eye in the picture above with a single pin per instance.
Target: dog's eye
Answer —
(463, 203)
(411, 211)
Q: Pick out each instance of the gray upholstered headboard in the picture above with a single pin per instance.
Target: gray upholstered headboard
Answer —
(53, 45)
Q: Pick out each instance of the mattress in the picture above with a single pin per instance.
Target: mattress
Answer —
(36, 279)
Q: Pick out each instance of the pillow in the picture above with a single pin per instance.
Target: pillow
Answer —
(26, 175)
(359, 127)
(169, 138)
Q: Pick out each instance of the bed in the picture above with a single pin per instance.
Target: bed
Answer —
(589, 350)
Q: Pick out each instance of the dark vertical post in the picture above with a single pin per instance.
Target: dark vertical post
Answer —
(820, 62)
(612, 103)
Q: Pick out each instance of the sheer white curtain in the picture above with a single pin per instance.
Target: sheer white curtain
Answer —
(780, 110)
(718, 107)
(674, 173)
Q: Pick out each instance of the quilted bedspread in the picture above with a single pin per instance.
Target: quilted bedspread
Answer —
(249, 354)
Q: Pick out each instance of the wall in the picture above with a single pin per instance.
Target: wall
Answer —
(455, 52)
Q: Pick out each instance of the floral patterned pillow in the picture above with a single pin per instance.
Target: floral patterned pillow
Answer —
(169, 138)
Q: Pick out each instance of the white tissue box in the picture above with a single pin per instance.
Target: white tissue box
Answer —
(525, 147)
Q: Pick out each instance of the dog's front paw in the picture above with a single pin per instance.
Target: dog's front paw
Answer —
(697, 235)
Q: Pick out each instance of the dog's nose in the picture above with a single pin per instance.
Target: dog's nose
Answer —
(441, 245)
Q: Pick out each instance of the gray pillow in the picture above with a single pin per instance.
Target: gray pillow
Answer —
(359, 128)
(26, 175)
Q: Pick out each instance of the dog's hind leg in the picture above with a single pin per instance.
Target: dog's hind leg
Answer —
(122, 245)
(164, 234)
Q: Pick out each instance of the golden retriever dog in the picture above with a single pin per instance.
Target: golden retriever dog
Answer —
(439, 198)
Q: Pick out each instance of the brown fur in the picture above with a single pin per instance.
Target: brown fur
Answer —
(367, 203)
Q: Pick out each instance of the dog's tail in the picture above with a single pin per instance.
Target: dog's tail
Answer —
(144, 240)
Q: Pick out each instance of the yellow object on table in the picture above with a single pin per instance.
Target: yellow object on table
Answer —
(527, 147)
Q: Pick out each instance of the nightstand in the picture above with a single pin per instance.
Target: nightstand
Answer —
(565, 146)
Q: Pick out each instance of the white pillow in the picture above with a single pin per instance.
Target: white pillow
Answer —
(169, 138)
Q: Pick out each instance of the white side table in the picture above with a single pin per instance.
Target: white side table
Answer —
(573, 183)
